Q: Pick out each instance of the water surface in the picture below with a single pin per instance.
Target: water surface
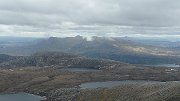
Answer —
(165, 65)
(20, 97)
(110, 84)
(168, 65)
(79, 70)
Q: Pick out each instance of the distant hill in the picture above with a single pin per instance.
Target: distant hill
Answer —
(101, 47)
(4, 58)
(155, 42)
(58, 60)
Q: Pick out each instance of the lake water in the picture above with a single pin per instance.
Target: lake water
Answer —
(79, 70)
(20, 97)
(167, 65)
(110, 84)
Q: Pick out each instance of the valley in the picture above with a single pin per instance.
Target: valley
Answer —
(76, 69)
(45, 77)
(89, 50)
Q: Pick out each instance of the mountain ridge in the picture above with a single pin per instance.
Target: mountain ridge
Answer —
(101, 47)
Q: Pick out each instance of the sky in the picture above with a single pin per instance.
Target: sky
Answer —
(45, 18)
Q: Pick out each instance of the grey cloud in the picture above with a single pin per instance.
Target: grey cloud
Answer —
(91, 16)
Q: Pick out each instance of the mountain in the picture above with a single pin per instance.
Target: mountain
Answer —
(113, 48)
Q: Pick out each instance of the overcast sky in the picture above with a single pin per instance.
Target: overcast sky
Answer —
(89, 17)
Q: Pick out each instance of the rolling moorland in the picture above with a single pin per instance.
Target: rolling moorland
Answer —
(42, 74)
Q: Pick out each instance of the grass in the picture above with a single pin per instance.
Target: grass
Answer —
(156, 92)
(43, 80)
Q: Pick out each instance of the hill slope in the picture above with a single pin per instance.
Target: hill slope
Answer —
(56, 59)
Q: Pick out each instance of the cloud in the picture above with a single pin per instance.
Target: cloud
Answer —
(89, 17)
